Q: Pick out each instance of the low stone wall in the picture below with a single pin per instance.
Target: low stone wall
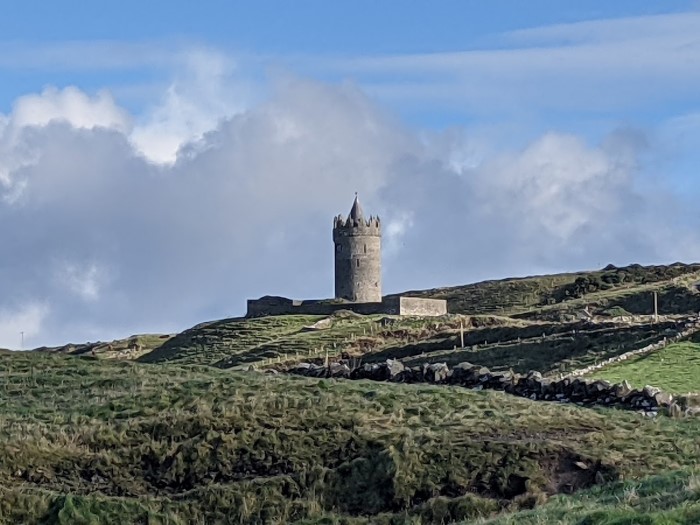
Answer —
(394, 305)
(533, 385)
(271, 305)
(422, 307)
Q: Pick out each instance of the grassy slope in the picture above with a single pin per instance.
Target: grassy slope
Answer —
(541, 303)
(500, 297)
(85, 440)
(128, 348)
(499, 343)
(549, 348)
(675, 369)
(629, 287)
(232, 342)
(659, 500)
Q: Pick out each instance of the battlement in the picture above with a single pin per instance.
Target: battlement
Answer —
(347, 227)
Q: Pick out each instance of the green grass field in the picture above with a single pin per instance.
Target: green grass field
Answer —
(127, 348)
(505, 321)
(86, 440)
(549, 348)
(675, 369)
(536, 328)
(496, 342)
(670, 499)
(171, 429)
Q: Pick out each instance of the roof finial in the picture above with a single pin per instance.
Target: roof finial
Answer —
(356, 211)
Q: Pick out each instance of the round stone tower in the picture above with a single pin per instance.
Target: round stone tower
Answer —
(358, 256)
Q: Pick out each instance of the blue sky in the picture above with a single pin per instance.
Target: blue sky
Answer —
(275, 30)
(311, 38)
(360, 26)
(160, 162)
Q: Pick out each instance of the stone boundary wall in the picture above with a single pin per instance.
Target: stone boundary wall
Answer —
(533, 386)
(395, 305)
(282, 306)
(421, 306)
(690, 329)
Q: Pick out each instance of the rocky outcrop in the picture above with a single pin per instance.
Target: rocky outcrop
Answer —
(586, 392)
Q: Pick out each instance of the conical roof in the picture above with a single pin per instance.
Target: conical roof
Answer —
(356, 213)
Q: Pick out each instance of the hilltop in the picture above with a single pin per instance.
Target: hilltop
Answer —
(553, 324)
(610, 291)
(130, 347)
(202, 427)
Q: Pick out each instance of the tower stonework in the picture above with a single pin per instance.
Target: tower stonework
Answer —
(358, 278)
(358, 256)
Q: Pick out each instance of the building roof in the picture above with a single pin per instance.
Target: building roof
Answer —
(356, 213)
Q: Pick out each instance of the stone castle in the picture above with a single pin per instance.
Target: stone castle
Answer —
(358, 277)
(358, 257)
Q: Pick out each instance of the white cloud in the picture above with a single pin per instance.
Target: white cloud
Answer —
(245, 210)
(680, 25)
(557, 185)
(393, 232)
(600, 65)
(28, 318)
(72, 106)
(196, 237)
(69, 106)
(87, 55)
(201, 96)
(86, 280)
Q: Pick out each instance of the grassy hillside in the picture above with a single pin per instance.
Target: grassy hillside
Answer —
(496, 342)
(230, 342)
(84, 440)
(674, 369)
(87, 435)
(669, 499)
(550, 348)
(239, 342)
(128, 348)
(527, 334)
(629, 285)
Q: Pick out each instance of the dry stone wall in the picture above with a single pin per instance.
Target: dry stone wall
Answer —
(532, 385)
(393, 305)
(422, 307)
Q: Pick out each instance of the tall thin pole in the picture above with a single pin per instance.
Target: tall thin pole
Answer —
(21, 346)
(461, 332)
(656, 307)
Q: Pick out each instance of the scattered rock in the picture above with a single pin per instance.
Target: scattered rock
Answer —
(623, 389)
(663, 399)
(675, 410)
(395, 368)
(339, 370)
(436, 372)
(650, 391)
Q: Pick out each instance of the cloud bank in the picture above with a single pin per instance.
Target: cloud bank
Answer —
(116, 223)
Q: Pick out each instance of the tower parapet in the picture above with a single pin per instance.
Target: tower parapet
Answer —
(358, 258)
